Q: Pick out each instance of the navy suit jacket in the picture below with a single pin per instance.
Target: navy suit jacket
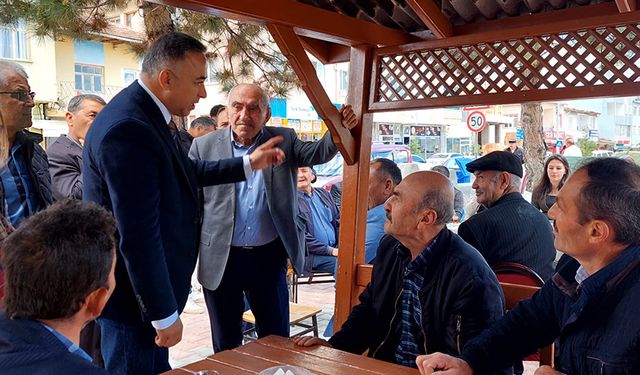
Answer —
(132, 167)
(26, 347)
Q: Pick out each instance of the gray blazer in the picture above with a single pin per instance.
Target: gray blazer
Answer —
(281, 187)
(65, 166)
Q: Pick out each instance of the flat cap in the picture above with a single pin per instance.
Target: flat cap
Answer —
(502, 161)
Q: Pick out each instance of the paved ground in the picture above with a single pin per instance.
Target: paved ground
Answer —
(196, 341)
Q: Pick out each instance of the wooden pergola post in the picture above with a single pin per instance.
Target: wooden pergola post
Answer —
(353, 214)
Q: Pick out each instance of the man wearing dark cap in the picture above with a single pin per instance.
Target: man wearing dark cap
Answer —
(514, 149)
(321, 220)
(510, 229)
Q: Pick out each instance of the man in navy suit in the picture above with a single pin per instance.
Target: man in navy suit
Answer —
(60, 273)
(134, 166)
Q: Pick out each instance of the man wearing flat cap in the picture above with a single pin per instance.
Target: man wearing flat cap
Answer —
(510, 229)
(516, 150)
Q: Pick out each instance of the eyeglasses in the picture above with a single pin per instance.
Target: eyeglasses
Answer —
(20, 95)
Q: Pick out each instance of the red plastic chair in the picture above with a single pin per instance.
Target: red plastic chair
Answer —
(515, 273)
(518, 283)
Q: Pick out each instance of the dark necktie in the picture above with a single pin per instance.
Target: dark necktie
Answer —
(173, 129)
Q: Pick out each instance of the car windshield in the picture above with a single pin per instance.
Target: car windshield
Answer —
(331, 168)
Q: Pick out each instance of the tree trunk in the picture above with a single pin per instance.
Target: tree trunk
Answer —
(157, 21)
(534, 146)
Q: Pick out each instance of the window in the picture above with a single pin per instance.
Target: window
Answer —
(128, 76)
(13, 41)
(344, 80)
(211, 73)
(319, 67)
(89, 78)
(128, 17)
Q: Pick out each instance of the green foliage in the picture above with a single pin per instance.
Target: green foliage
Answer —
(415, 147)
(54, 18)
(586, 146)
(238, 52)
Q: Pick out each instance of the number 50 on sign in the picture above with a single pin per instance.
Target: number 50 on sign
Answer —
(476, 121)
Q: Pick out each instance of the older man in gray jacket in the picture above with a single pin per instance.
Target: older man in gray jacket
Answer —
(249, 229)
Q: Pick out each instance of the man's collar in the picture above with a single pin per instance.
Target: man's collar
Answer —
(240, 145)
(507, 197)
(165, 111)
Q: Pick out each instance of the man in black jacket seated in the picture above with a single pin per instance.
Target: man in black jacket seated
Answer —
(429, 290)
(592, 303)
(510, 229)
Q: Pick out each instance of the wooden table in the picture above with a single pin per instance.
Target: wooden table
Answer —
(274, 350)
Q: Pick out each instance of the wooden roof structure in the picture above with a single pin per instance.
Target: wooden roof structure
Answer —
(408, 54)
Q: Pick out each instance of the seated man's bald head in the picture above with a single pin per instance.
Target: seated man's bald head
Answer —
(436, 193)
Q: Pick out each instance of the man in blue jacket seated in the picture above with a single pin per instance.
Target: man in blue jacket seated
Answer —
(429, 291)
(59, 273)
(591, 304)
(321, 219)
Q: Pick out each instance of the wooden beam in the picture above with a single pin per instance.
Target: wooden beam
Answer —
(292, 49)
(326, 52)
(626, 5)
(573, 19)
(601, 91)
(308, 20)
(354, 189)
(430, 13)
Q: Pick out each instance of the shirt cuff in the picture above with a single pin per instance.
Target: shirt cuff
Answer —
(246, 163)
(166, 322)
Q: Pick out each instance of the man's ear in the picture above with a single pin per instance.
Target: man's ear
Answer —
(388, 187)
(96, 300)
(164, 79)
(69, 118)
(268, 115)
(600, 232)
(505, 180)
(428, 217)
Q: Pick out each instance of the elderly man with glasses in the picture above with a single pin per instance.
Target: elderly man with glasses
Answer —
(26, 183)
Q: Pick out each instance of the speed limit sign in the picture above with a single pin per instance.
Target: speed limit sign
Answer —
(476, 121)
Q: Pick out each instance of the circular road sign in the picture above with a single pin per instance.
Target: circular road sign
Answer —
(476, 121)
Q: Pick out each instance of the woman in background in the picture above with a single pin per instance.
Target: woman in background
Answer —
(546, 191)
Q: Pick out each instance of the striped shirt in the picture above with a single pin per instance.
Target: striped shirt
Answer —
(411, 323)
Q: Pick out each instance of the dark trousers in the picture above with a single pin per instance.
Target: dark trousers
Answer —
(260, 274)
(131, 349)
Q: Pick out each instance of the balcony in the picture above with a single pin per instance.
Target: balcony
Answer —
(67, 90)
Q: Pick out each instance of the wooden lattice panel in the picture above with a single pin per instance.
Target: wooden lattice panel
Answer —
(564, 65)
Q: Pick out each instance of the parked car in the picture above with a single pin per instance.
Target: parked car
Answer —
(418, 158)
(457, 167)
(441, 158)
(602, 153)
(330, 172)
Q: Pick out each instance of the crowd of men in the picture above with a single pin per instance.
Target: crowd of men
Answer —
(132, 218)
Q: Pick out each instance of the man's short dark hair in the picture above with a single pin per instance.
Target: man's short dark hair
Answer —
(204, 121)
(168, 49)
(390, 168)
(216, 109)
(56, 259)
(442, 170)
(76, 102)
(612, 194)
